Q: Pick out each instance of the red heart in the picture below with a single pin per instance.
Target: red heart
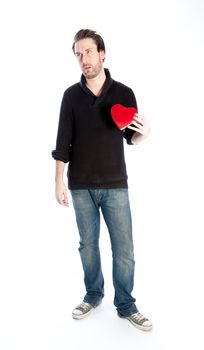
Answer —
(122, 116)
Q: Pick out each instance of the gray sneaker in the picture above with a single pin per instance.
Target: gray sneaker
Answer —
(83, 310)
(139, 321)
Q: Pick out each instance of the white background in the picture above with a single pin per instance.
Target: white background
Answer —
(156, 48)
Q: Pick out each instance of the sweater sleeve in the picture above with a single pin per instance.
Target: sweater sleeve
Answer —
(64, 134)
(128, 133)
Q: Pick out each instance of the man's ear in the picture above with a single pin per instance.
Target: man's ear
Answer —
(102, 55)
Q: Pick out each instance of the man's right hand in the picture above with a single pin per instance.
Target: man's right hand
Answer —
(61, 193)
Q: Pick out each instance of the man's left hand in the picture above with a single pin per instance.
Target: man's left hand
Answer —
(141, 127)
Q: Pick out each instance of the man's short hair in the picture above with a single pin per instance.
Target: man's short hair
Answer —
(88, 33)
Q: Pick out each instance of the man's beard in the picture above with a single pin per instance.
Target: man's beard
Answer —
(94, 71)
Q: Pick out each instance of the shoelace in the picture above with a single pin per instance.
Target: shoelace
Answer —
(139, 318)
(84, 307)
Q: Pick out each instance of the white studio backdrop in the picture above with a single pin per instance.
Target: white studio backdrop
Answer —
(156, 48)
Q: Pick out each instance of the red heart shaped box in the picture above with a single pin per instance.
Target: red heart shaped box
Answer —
(122, 116)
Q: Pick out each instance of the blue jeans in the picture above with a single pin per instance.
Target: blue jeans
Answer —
(114, 205)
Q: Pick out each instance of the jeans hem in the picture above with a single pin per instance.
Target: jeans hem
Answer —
(127, 313)
(93, 302)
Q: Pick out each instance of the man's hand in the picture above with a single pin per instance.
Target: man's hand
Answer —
(141, 127)
(61, 193)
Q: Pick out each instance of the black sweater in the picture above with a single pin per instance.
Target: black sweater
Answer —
(88, 138)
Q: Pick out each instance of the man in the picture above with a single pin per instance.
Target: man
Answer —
(91, 143)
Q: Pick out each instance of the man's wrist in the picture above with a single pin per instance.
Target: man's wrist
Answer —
(137, 138)
(58, 179)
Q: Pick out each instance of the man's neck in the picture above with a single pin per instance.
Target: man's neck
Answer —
(96, 84)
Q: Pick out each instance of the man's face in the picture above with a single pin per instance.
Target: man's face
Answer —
(90, 60)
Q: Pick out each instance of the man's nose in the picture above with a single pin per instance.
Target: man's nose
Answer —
(83, 59)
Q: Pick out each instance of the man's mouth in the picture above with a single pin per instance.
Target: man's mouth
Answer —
(87, 67)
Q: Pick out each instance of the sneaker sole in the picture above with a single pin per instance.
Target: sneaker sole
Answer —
(142, 328)
(80, 317)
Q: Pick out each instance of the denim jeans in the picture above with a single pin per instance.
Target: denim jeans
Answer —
(114, 205)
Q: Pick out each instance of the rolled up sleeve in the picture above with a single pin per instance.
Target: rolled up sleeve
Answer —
(62, 151)
(128, 133)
